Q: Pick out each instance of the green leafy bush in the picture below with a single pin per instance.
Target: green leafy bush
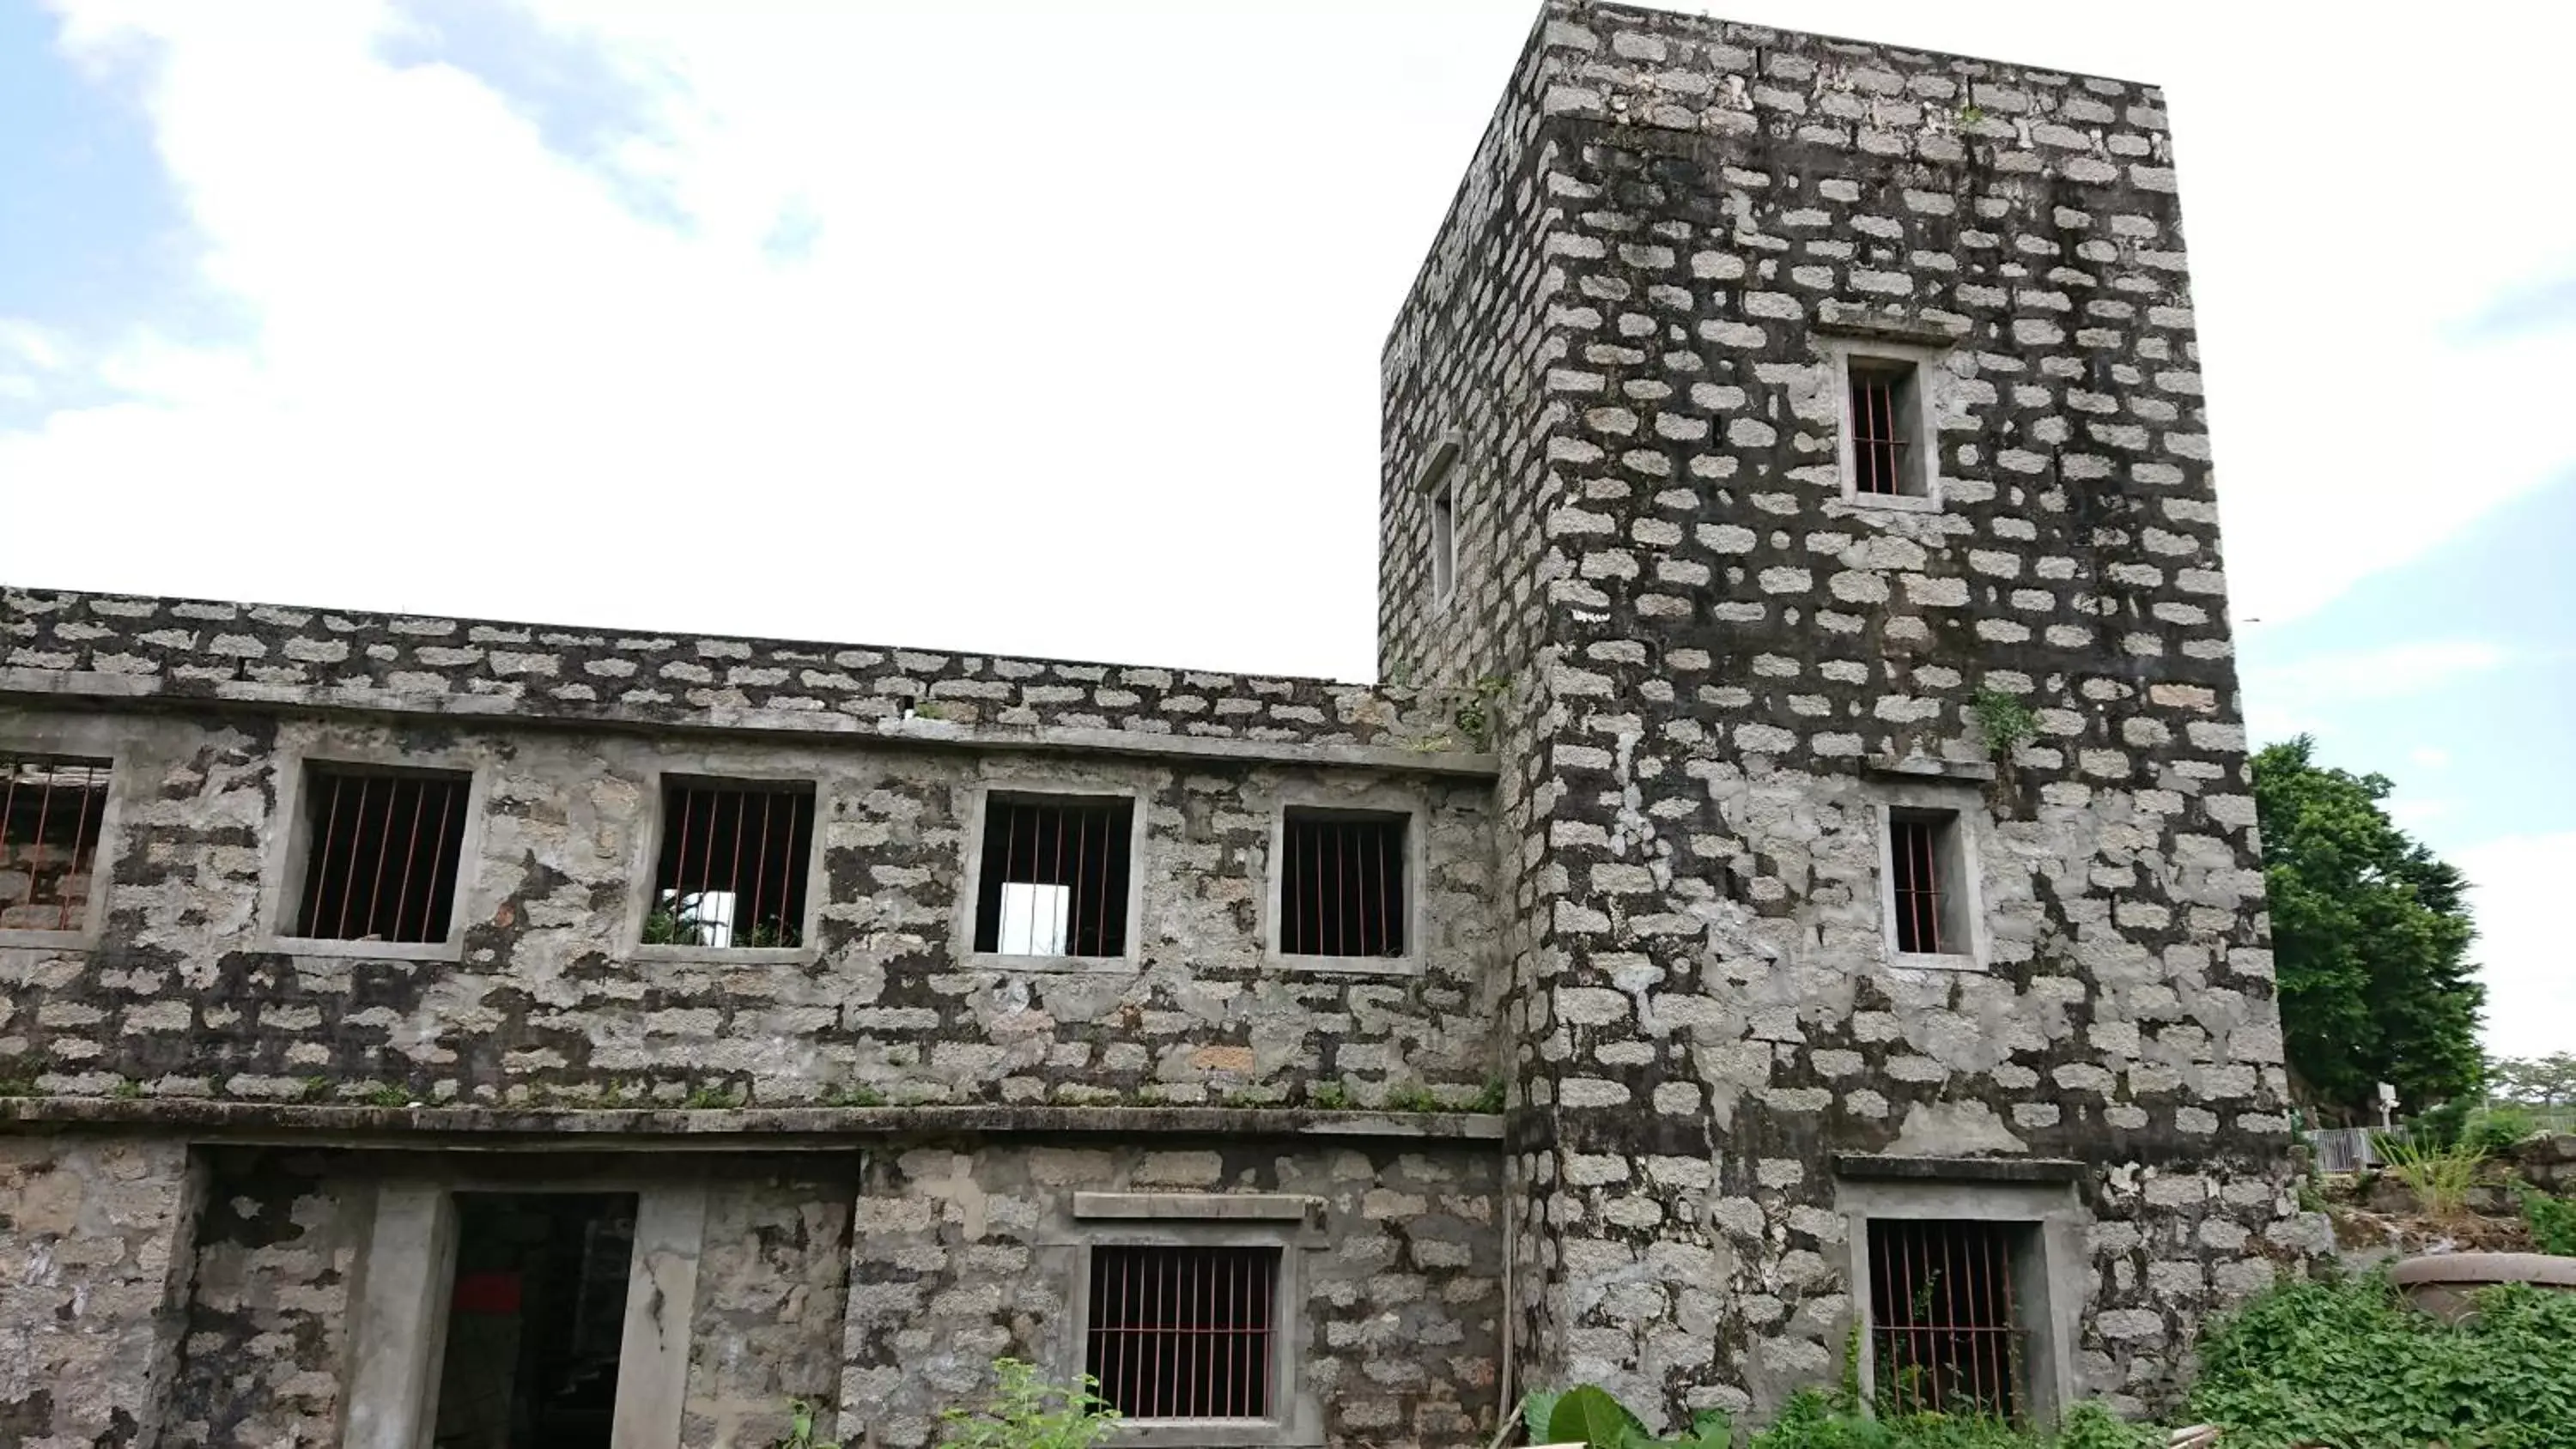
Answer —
(1028, 1412)
(2348, 1364)
(2553, 1224)
(2497, 1131)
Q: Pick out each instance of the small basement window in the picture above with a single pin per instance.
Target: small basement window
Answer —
(1342, 883)
(1054, 875)
(1945, 1312)
(735, 859)
(51, 810)
(1183, 1332)
(1884, 423)
(381, 853)
(536, 1321)
(1926, 874)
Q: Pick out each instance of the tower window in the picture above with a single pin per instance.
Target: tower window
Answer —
(1945, 1313)
(1927, 876)
(734, 863)
(51, 811)
(1342, 883)
(1884, 423)
(381, 853)
(1444, 540)
(1183, 1332)
(1053, 877)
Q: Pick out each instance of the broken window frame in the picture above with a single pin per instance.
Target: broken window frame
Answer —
(803, 884)
(994, 797)
(79, 924)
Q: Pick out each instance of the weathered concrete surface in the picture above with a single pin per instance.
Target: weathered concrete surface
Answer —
(94, 1241)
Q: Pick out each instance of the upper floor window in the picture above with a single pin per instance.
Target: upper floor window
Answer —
(1927, 883)
(1342, 881)
(734, 866)
(52, 808)
(1438, 486)
(1053, 876)
(1888, 448)
(381, 853)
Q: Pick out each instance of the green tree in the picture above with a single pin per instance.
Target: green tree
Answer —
(2548, 1081)
(2370, 933)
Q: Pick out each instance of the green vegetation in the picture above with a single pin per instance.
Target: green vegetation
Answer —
(2343, 1363)
(800, 1428)
(1028, 1412)
(2346, 1363)
(2544, 1082)
(2440, 1177)
(678, 923)
(712, 1098)
(2370, 934)
(314, 1089)
(385, 1094)
(1328, 1097)
(1411, 1097)
(1491, 1099)
(2004, 720)
(2497, 1131)
(126, 1089)
(854, 1094)
(2552, 1220)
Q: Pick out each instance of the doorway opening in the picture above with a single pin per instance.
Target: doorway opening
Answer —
(538, 1313)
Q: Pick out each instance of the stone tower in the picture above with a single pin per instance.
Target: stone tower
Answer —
(1802, 440)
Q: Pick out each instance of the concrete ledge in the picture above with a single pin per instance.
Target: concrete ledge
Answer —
(1197, 1206)
(732, 1129)
(1957, 1169)
(507, 712)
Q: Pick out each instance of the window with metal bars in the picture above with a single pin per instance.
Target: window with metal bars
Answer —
(1882, 422)
(51, 811)
(1053, 876)
(735, 859)
(1341, 884)
(1183, 1332)
(1946, 1332)
(1924, 869)
(380, 853)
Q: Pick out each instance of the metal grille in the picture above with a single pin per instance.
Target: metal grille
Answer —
(1914, 845)
(1341, 885)
(734, 864)
(1945, 1329)
(51, 808)
(381, 855)
(1183, 1333)
(1054, 876)
(1878, 441)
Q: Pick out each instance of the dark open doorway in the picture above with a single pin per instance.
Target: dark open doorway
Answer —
(534, 1327)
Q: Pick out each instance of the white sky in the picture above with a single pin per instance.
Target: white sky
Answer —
(1052, 328)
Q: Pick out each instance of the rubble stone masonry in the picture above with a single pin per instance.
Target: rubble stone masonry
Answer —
(1653, 1058)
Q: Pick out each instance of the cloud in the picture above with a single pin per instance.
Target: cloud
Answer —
(2519, 896)
(2388, 672)
(2545, 306)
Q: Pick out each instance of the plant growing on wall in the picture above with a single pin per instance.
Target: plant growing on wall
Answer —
(1027, 1411)
(2440, 1177)
(2003, 720)
(801, 1430)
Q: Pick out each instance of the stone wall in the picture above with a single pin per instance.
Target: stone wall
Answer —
(138, 648)
(548, 998)
(1738, 671)
(269, 1306)
(965, 1252)
(772, 1283)
(94, 1242)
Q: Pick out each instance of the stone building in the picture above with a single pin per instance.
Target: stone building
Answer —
(1798, 914)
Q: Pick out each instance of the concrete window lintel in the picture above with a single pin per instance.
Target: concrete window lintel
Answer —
(1285, 1207)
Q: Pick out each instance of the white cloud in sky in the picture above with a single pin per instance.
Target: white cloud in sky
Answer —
(2519, 894)
(1053, 327)
(2297, 696)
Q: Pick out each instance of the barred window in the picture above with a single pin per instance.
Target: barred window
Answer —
(380, 853)
(1183, 1332)
(51, 810)
(1883, 425)
(1342, 883)
(733, 868)
(1054, 875)
(1925, 866)
(1946, 1330)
